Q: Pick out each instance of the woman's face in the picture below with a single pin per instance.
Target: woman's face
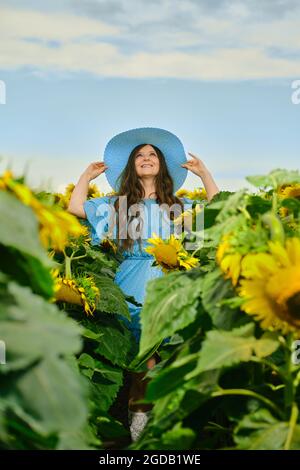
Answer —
(146, 162)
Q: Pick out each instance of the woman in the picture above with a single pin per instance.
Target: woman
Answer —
(146, 166)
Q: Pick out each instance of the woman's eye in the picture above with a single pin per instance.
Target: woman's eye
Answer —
(151, 155)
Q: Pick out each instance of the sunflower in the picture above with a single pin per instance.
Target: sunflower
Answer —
(111, 193)
(288, 191)
(5, 179)
(63, 199)
(181, 192)
(228, 260)
(55, 225)
(196, 195)
(271, 286)
(283, 212)
(81, 291)
(170, 254)
(188, 217)
(108, 245)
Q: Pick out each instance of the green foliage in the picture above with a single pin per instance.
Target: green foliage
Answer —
(261, 431)
(20, 228)
(226, 380)
(216, 290)
(106, 380)
(112, 299)
(38, 376)
(222, 380)
(19, 241)
(33, 329)
(111, 339)
(226, 348)
(50, 399)
(170, 305)
(275, 178)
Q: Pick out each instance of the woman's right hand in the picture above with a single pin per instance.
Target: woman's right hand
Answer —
(79, 194)
(95, 169)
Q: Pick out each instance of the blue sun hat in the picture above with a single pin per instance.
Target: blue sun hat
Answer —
(118, 149)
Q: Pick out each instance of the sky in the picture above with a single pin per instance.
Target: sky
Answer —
(218, 73)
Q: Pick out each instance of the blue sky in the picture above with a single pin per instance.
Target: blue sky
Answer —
(216, 73)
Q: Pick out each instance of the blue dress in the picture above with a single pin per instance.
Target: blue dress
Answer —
(136, 268)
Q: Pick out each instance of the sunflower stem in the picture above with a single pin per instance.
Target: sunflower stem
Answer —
(249, 393)
(289, 388)
(275, 226)
(68, 271)
(271, 365)
(244, 211)
(274, 202)
(79, 257)
(292, 425)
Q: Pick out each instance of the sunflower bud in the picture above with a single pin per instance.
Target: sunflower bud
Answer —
(274, 224)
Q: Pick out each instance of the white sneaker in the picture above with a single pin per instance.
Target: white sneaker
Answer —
(137, 421)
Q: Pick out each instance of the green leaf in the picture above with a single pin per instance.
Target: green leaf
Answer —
(85, 360)
(215, 290)
(275, 178)
(260, 181)
(224, 349)
(220, 196)
(33, 328)
(231, 205)
(49, 396)
(112, 299)
(230, 223)
(106, 381)
(27, 271)
(292, 204)
(209, 217)
(184, 400)
(261, 431)
(89, 334)
(116, 343)
(171, 304)
(110, 428)
(178, 438)
(19, 229)
(96, 262)
(78, 439)
(170, 378)
(257, 205)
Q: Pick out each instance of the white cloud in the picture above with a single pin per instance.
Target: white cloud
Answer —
(18, 24)
(223, 48)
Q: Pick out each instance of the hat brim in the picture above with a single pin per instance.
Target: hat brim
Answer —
(118, 149)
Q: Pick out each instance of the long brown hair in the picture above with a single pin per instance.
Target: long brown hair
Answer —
(131, 187)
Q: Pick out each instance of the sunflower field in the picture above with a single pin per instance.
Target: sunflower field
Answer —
(229, 373)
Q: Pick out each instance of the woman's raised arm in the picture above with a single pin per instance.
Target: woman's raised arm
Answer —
(197, 167)
(79, 194)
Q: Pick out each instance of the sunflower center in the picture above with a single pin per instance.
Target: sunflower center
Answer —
(293, 305)
(166, 254)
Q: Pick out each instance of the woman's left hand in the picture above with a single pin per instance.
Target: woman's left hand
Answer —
(195, 165)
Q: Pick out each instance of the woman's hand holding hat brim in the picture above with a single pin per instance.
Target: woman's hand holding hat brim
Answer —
(195, 165)
(95, 169)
